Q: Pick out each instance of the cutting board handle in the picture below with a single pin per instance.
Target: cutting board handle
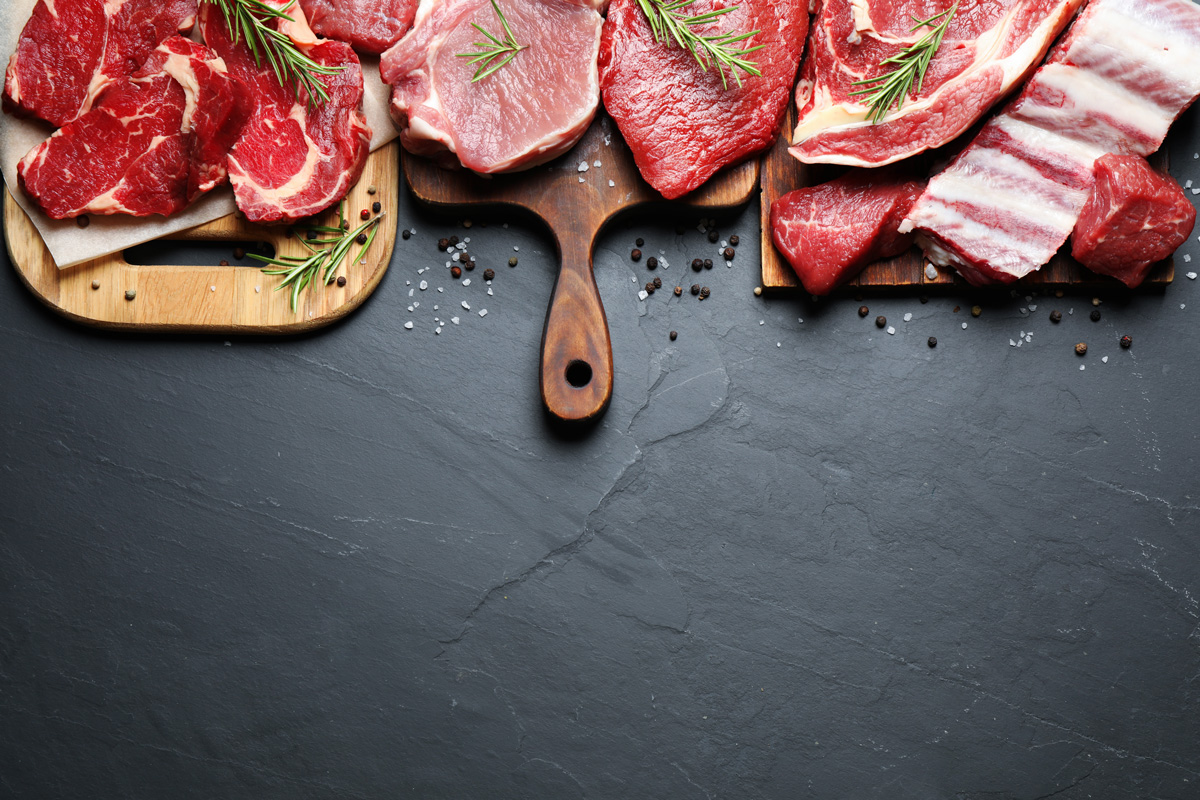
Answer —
(577, 363)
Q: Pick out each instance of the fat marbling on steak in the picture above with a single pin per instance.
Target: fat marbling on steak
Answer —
(370, 26)
(1114, 84)
(292, 160)
(526, 113)
(149, 145)
(679, 120)
(989, 47)
(71, 50)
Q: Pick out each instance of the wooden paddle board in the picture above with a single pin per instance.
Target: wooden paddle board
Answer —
(781, 173)
(211, 299)
(576, 371)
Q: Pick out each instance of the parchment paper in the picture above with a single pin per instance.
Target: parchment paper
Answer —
(71, 245)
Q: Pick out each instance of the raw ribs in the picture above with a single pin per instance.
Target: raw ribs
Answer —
(72, 50)
(1115, 83)
(149, 145)
(370, 26)
(679, 120)
(526, 113)
(989, 47)
(292, 159)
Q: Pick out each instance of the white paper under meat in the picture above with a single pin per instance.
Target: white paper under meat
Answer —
(67, 242)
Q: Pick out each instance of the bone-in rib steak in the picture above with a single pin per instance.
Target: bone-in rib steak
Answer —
(149, 145)
(370, 26)
(989, 47)
(679, 120)
(292, 160)
(526, 113)
(71, 50)
(1115, 83)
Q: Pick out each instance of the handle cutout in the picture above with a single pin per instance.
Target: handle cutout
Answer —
(579, 373)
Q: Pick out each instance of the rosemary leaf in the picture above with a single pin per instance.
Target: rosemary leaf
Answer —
(891, 88)
(494, 54)
(667, 23)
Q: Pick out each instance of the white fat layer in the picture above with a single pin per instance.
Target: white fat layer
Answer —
(280, 194)
(107, 203)
(1091, 94)
(180, 68)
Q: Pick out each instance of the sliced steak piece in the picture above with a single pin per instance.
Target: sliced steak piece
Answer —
(149, 145)
(71, 50)
(526, 113)
(830, 232)
(1114, 84)
(292, 160)
(989, 47)
(370, 26)
(1133, 218)
(680, 122)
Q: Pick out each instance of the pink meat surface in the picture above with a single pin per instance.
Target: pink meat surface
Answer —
(370, 26)
(529, 111)
(72, 50)
(150, 144)
(989, 47)
(1114, 84)
(1133, 218)
(830, 232)
(680, 122)
(291, 160)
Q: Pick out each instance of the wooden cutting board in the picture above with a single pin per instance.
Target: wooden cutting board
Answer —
(781, 173)
(576, 369)
(210, 299)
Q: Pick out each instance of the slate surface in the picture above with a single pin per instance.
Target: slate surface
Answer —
(360, 565)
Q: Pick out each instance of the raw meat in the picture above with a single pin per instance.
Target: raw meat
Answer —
(680, 122)
(149, 145)
(370, 26)
(1115, 83)
(292, 160)
(71, 50)
(531, 110)
(1133, 218)
(830, 232)
(989, 47)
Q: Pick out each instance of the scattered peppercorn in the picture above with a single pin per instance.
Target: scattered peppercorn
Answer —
(923, 299)
(636, 255)
(956, 308)
(371, 189)
(341, 281)
(346, 224)
(239, 253)
(96, 285)
(713, 235)
(223, 263)
(130, 294)
(695, 288)
(443, 243)
(976, 311)
(704, 292)
(489, 274)
(361, 238)
(377, 207)
(365, 213)
(708, 263)
(863, 311)
(1095, 301)
(735, 240)
(83, 221)
(453, 240)
(468, 264)
(758, 291)
(512, 261)
(1126, 342)
(640, 241)
(1081, 349)
(406, 233)
(932, 341)
(880, 321)
(649, 287)
(1056, 316)
(678, 291)
(697, 264)
(657, 283)
(456, 272)
(728, 252)
(466, 223)
(651, 263)
(674, 335)
(1095, 315)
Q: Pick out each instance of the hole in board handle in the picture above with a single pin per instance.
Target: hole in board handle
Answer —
(579, 373)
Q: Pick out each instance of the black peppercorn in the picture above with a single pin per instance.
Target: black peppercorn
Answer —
(651, 263)
(650, 287)
(1081, 349)
(341, 281)
(704, 292)
(361, 238)
(863, 311)
(489, 273)
(735, 240)
(406, 234)
(657, 283)
(640, 241)
(239, 253)
(933, 341)
(223, 263)
(453, 240)
(376, 206)
(456, 272)
(468, 264)
(1126, 342)
(443, 243)
(880, 321)
(695, 288)
(713, 235)
(83, 221)
(923, 299)
(1095, 315)
(697, 265)
(678, 291)
(674, 335)
(636, 255)
(1056, 316)
(708, 263)
(728, 253)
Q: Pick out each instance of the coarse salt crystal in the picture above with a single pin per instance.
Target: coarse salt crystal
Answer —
(1187, 257)
(483, 312)
(642, 295)
(440, 289)
(466, 282)
(1104, 359)
(762, 322)
(418, 305)
(410, 292)
(1011, 343)
(408, 325)
(466, 305)
(1182, 306)
(1195, 191)
(1029, 338)
(779, 344)
(729, 263)
(438, 330)
(596, 163)
(581, 179)
(1070, 311)
(408, 283)
(454, 320)
(466, 240)
(612, 183)
(964, 326)
(908, 317)
(583, 166)
(516, 249)
(1082, 367)
(1032, 307)
(424, 285)
(1020, 342)
(410, 308)
(800, 320)
(891, 331)
(1188, 185)
(931, 272)
(212, 288)
(1191, 276)
(257, 289)
(489, 292)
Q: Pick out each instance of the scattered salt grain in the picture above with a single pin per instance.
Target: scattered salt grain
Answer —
(1082, 367)
(779, 344)
(438, 330)
(596, 163)
(964, 326)
(931, 272)
(1011, 343)
(1191, 276)
(466, 282)
(212, 288)
(410, 292)
(410, 308)
(891, 330)
(489, 292)
(408, 326)
(583, 166)
(257, 289)
(1032, 307)
(440, 289)
(1029, 338)
(1187, 257)
(418, 305)
(612, 183)
(466, 305)
(408, 283)
(1182, 306)
(581, 180)
(762, 322)
(1195, 191)
(454, 320)
(466, 240)
(1104, 359)
(642, 295)
(908, 317)
(1070, 311)
(800, 320)
(516, 249)
(424, 285)
(1188, 185)
(483, 312)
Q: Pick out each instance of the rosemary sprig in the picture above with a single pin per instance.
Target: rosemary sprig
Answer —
(248, 20)
(723, 49)
(493, 54)
(326, 255)
(891, 88)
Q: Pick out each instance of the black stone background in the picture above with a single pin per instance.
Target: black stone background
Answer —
(795, 560)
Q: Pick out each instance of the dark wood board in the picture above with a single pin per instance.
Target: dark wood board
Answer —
(781, 173)
(576, 369)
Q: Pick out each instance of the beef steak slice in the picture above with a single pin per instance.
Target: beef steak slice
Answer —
(369, 26)
(679, 120)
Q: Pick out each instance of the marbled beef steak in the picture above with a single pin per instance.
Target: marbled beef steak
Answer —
(679, 120)
(370, 26)
(71, 50)
(150, 145)
(292, 159)
(526, 113)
